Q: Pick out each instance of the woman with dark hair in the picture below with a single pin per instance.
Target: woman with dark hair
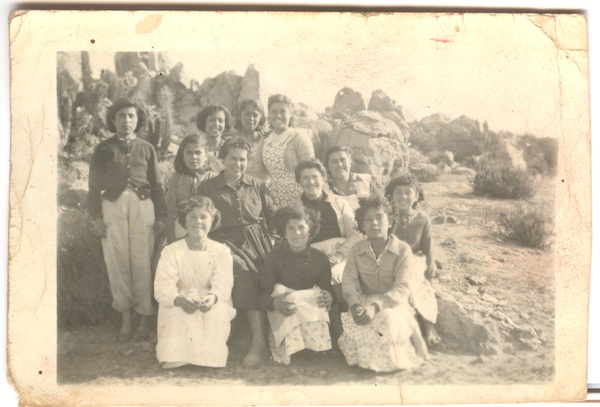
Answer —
(278, 153)
(246, 209)
(296, 289)
(413, 226)
(214, 121)
(381, 332)
(126, 201)
(190, 171)
(250, 122)
(193, 286)
(344, 183)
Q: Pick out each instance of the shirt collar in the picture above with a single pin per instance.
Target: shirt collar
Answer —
(393, 245)
(222, 183)
(324, 197)
(305, 252)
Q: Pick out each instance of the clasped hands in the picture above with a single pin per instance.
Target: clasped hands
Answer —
(364, 315)
(287, 307)
(190, 306)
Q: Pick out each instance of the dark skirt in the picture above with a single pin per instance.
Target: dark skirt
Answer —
(248, 254)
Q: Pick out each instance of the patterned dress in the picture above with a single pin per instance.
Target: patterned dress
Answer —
(283, 186)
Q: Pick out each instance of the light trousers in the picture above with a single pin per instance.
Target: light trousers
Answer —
(128, 248)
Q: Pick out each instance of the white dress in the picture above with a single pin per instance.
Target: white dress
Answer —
(198, 338)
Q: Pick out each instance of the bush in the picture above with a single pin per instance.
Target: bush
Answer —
(528, 225)
(501, 181)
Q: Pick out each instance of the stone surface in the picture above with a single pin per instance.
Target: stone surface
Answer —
(249, 85)
(379, 147)
(347, 102)
(463, 331)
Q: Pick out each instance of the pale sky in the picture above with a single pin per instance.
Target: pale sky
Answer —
(499, 68)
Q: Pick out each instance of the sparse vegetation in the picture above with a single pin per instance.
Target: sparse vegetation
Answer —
(501, 181)
(529, 225)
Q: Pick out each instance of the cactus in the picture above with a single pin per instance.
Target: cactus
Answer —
(164, 101)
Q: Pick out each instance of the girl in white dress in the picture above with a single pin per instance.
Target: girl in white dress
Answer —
(193, 286)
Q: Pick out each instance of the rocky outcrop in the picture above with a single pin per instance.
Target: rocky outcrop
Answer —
(382, 103)
(347, 102)
(462, 136)
(378, 144)
(249, 85)
(141, 63)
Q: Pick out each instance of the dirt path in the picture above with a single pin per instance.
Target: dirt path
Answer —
(518, 290)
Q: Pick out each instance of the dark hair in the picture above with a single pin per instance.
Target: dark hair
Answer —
(254, 103)
(310, 163)
(121, 104)
(180, 166)
(407, 180)
(231, 143)
(279, 98)
(335, 149)
(202, 202)
(210, 110)
(374, 201)
(292, 212)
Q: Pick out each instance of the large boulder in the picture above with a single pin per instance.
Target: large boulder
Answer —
(223, 89)
(434, 122)
(249, 85)
(462, 136)
(378, 144)
(141, 63)
(382, 103)
(68, 85)
(347, 102)
(540, 153)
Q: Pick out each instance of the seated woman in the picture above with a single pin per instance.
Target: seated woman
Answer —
(246, 208)
(295, 289)
(333, 216)
(382, 333)
(413, 227)
(193, 286)
(349, 185)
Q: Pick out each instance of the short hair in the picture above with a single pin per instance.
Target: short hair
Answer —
(210, 110)
(121, 104)
(374, 201)
(292, 212)
(310, 163)
(253, 103)
(179, 165)
(202, 202)
(335, 149)
(407, 180)
(231, 143)
(279, 98)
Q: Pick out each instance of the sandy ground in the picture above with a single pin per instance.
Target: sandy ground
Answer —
(520, 279)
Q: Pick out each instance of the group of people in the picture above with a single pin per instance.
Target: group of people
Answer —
(316, 257)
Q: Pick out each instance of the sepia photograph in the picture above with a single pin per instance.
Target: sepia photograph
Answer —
(271, 202)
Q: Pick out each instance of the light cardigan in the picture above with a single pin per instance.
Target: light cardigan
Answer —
(300, 147)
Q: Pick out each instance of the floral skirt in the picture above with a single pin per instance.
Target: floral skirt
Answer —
(384, 345)
(422, 296)
(312, 335)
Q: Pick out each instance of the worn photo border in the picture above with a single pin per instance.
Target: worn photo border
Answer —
(32, 321)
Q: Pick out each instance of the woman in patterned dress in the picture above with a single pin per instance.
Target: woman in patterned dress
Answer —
(381, 332)
(279, 152)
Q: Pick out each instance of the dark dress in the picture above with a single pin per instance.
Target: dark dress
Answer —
(246, 213)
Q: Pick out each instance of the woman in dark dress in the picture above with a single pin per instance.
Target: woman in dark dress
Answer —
(246, 209)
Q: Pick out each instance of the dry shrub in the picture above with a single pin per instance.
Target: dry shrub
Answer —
(501, 181)
(83, 291)
(529, 225)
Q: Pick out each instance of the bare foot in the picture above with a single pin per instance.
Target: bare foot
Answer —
(419, 345)
(256, 355)
(432, 337)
